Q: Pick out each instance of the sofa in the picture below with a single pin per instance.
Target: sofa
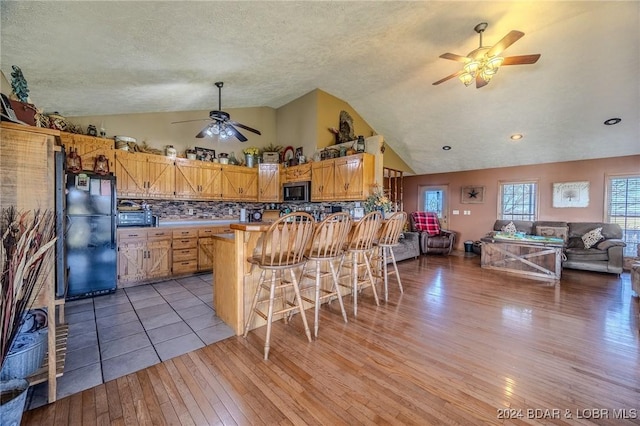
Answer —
(605, 255)
(408, 247)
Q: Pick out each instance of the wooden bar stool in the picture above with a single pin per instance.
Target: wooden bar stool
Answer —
(283, 248)
(389, 238)
(359, 250)
(327, 248)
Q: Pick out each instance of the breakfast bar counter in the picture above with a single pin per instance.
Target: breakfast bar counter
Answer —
(234, 279)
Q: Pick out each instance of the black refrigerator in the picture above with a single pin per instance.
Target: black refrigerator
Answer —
(90, 237)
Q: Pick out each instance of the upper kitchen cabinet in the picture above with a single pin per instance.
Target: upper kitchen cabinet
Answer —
(144, 175)
(27, 166)
(239, 183)
(299, 173)
(198, 180)
(322, 180)
(269, 183)
(88, 148)
(354, 176)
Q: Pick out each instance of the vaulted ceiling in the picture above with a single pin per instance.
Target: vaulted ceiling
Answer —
(95, 58)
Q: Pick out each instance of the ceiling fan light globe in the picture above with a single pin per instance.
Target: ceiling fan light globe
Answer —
(487, 76)
(466, 78)
(494, 63)
(229, 132)
(215, 130)
(471, 68)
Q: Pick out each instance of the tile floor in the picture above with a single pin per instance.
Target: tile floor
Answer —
(117, 334)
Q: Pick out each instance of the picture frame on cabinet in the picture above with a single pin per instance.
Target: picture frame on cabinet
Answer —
(205, 154)
(472, 195)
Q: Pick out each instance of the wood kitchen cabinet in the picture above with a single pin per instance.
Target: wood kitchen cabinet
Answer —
(88, 148)
(239, 183)
(143, 255)
(299, 173)
(197, 180)
(353, 177)
(144, 175)
(185, 251)
(322, 180)
(269, 188)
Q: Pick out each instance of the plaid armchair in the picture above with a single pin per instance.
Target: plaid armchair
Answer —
(433, 239)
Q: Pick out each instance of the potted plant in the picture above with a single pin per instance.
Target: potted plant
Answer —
(271, 153)
(27, 238)
(250, 155)
(378, 201)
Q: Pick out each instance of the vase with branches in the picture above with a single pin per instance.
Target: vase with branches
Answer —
(27, 240)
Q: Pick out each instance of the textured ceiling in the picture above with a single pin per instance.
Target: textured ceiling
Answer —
(94, 58)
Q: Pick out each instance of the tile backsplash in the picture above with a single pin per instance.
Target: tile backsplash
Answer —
(181, 209)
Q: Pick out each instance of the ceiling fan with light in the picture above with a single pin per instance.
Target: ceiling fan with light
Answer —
(483, 63)
(222, 125)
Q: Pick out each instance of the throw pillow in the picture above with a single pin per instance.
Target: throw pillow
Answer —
(592, 237)
(509, 228)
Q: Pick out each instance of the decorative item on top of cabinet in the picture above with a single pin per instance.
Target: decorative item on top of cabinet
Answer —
(88, 148)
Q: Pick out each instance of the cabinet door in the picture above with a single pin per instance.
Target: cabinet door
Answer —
(211, 181)
(188, 178)
(239, 183)
(160, 176)
(88, 148)
(158, 258)
(131, 174)
(322, 180)
(131, 260)
(348, 178)
(269, 183)
(299, 173)
(205, 254)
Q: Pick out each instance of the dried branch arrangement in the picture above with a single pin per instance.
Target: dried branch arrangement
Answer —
(27, 238)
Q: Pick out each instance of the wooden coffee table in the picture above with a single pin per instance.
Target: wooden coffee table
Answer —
(530, 256)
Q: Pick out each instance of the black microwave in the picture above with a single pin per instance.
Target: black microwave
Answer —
(296, 191)
(135, 218)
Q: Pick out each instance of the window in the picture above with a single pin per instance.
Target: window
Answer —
(624, 209)
(518, 201)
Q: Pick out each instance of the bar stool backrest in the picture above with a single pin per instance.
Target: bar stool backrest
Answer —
(392, 228)
(365, 232)
(330, 236)
(285, 242)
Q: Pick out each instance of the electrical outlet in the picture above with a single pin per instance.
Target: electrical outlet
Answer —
(230, 211)
(456, 212)
(191, 212)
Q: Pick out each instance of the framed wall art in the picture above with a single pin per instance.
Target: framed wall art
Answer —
(205, 154)
(472, 195)
(571, 194)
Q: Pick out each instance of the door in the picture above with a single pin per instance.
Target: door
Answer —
(434, 198)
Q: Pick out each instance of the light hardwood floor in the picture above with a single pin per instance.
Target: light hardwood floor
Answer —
(462, 345)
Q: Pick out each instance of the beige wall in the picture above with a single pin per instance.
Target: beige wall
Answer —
(483, 215)
(295, 123)
(393, 161)
(329, 108)
(156, 128)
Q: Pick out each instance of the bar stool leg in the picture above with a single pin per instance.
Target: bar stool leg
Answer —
(317, 307)
(272, 294)
(336, 286)
(255, 303)
(395, 266)
(354, 273)
(296, 288)
(367, 262)
(385, 272)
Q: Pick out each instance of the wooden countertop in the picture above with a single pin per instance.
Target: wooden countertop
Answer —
(251, 226)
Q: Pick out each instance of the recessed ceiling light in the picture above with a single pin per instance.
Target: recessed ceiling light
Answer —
(516, 137)
(446, 147)
(612, 121)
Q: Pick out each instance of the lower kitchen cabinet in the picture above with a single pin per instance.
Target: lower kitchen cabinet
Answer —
(143, 255)
(185, 251)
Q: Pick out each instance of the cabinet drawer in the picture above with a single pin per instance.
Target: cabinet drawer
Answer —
(186, 266)
(184, 243)
(185, 233)
(124, 235)
(185, 254)
(157, 233)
